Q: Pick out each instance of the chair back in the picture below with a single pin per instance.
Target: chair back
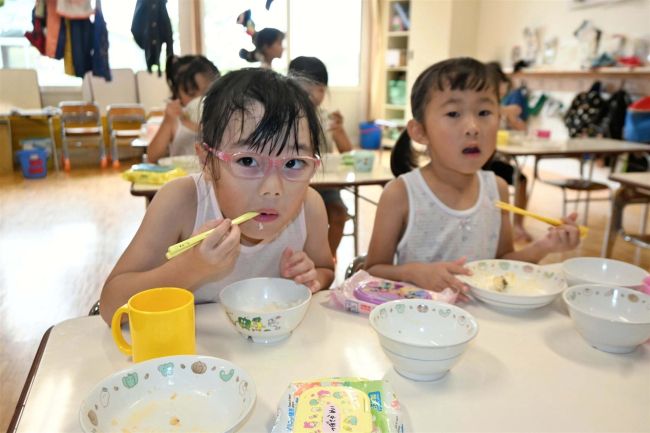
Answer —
(19, 89)
(125, 118)
(152, 90)
(80, 117)
(120, 90)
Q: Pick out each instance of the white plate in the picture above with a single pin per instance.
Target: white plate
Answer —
(532, 286)
(170, 394)
(189, 163)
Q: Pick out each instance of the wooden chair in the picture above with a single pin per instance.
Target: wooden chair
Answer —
(125, 123)
(80, 122)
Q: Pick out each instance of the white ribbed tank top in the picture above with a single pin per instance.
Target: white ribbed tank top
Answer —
(435, 232)
(261, 260)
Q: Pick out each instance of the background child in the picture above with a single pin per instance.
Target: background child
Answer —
(430, 220)
(268, 46)
(261, 137)
(312, 75)
(188, 78)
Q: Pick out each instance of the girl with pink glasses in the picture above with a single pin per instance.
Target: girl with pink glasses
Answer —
(260, 137)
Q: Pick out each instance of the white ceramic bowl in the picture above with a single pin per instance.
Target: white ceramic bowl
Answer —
(265, 310)
(529, 286)
(598, 270)
(422, 338)
(612, 319)
(189, 163)
(170, 394)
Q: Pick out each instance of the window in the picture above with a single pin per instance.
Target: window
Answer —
(223, 37)
(16, 51)
(329, 30)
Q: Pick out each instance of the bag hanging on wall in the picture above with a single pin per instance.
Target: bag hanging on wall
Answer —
(584, 117)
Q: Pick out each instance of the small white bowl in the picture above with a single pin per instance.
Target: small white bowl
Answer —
(265, 310)
(422, 338)
(612, 319)
(170, 394)
(532, 286)
(598, 270)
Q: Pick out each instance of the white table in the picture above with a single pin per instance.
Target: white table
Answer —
(527, 371)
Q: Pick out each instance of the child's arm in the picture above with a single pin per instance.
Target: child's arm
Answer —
(314, 266)
(159, 145)
(390, 222)
(339, 135)
(562, 238)
(169, 219)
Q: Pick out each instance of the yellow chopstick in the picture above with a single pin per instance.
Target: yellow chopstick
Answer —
(552, 221)
(185, 245)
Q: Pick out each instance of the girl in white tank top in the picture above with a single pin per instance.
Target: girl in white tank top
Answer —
(261, 136)
(430, 221)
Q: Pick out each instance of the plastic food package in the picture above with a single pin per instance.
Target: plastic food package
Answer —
(362, 292)
(343, 404)
(152, 174)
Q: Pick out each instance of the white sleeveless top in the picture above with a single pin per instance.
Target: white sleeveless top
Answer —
(435, 232)
(183, 142)
(261, 260)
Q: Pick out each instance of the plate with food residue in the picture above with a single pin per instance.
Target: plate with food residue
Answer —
(177, 393)
(512, 284)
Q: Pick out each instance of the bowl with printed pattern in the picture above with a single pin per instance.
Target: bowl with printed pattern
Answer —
(170, 394)
(513, 285)
(422, 338)
(265, 310)
(611, 319)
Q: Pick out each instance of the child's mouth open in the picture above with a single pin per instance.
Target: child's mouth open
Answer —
(471, 151)
(266, 215)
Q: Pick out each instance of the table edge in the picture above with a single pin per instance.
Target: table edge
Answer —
(29, 381)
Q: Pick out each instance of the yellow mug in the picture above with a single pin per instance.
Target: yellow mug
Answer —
(161, 322)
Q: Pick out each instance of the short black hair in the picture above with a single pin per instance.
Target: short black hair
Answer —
(311, 68)
(181, 72)
(461, 73)
(285, 104)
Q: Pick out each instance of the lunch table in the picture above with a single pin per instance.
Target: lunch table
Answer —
(331, 175)
(570, 148)
(525, 371)
(634, 189)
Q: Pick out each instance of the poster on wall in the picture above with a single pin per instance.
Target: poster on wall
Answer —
(577, 4)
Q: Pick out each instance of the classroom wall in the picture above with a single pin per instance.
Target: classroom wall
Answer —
(501, 22)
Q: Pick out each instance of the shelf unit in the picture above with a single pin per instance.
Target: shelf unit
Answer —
(396, 18)
(636, 82)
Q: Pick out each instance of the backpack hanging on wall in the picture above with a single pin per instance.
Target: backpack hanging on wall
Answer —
(614, 120)
(585, 115)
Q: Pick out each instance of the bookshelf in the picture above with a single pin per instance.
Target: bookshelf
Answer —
(395, 90)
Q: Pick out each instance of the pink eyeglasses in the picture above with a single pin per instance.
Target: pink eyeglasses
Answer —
(251, 165)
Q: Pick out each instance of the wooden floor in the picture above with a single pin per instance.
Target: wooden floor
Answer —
(61, 236)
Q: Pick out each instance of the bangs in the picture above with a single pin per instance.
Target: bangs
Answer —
(476, 80)
(285, 104)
